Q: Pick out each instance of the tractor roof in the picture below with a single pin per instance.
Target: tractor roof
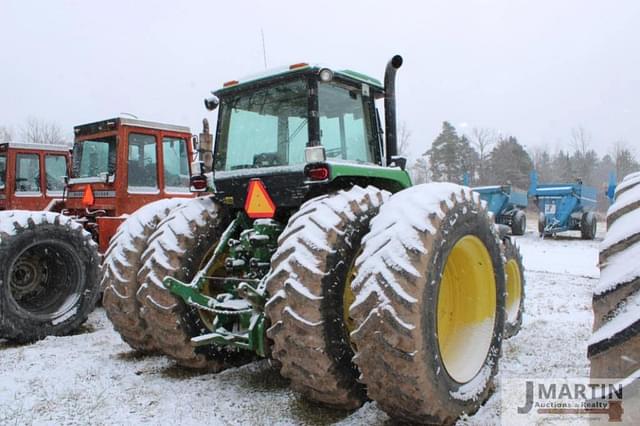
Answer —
(113, 123)
(34, 146)
(298, 68)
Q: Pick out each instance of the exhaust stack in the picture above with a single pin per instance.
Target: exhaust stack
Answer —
(391, 146)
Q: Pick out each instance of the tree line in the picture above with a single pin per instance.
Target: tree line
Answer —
(34, 130)
(488, 158)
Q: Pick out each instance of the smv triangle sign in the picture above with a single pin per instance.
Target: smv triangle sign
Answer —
(258, 204)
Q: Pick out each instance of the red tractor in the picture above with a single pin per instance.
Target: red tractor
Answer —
(32, 175)
(49, 256)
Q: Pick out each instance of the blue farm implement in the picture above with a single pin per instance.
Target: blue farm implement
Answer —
(506, 205)
(565, 207)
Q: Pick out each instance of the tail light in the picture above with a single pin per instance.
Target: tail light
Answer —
(318, 173)
(199, 183)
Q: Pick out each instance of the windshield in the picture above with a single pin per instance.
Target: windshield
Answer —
(93, 157)
(3, 170)
(264, 128)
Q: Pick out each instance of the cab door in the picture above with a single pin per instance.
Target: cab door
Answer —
(142, 170)
(29, 179)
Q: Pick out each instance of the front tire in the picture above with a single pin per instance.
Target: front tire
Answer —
(519, 225)
(515, 283)
(430, 286)
(588, 226)
(48, 275)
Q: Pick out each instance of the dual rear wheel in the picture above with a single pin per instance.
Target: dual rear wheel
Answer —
(402, 303)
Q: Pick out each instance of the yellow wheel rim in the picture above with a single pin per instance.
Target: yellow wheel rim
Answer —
(514, 290)
(466, 309)
(217, 269)
(347, 295)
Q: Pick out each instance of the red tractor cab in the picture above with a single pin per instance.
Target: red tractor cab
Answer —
(32, 176)
(121, 164)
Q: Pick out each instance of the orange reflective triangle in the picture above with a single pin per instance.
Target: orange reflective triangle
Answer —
(258, 204)
(87, 198)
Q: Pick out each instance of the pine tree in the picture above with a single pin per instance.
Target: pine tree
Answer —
(450, 156)
(509, 162)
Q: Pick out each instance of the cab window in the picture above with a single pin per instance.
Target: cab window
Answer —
(176, 164)
(56, 168)
(142, 164)
(345, 125)
(27, 173)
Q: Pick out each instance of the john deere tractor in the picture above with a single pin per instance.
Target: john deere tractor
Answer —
(310, 246)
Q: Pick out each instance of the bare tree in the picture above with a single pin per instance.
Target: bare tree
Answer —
(624, 158)
(37, 130)
(6, 134)
(580, 140)
(483, 139)
(404, 135)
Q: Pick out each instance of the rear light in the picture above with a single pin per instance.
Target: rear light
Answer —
(199, 183)
(230, 83)
(318, 173)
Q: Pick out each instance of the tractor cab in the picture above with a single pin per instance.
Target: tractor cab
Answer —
(122, 164)
(32, 175)
(303, 130)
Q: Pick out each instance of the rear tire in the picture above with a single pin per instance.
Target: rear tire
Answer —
(310, 272)
(414, 297)
(615, 343)
(177, 248)
(519, 225)
(515, 283)
(121, 264)
(588, 226)
(542, 223)
(48, 275)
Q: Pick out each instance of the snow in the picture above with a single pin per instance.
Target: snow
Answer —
(618, 270)
(628, 181)
(94, 377)
(625, 227)
(625, 316)
(625, 199)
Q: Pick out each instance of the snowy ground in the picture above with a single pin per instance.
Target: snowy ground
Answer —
(93, 377)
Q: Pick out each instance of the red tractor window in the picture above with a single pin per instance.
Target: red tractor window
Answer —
(176, 164)
(56, 168)
(28, 173)
(143, 164)
(3, 170)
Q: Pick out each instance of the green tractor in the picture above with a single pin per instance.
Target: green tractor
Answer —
(310, 246)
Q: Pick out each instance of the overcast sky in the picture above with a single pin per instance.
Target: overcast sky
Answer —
(532, 69)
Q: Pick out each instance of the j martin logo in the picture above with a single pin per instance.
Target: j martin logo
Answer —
(566, 401)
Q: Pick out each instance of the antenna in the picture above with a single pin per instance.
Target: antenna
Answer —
(264, 49)
(129, 114)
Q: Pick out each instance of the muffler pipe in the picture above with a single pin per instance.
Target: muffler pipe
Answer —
(391, 146)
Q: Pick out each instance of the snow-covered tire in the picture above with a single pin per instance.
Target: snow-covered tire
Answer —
(615, 343)
(432, 257)
(588, 226)
(48, 275)
(310, 272)
(122, 261)
(515, 284)
(519, 225)
(178, 248)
